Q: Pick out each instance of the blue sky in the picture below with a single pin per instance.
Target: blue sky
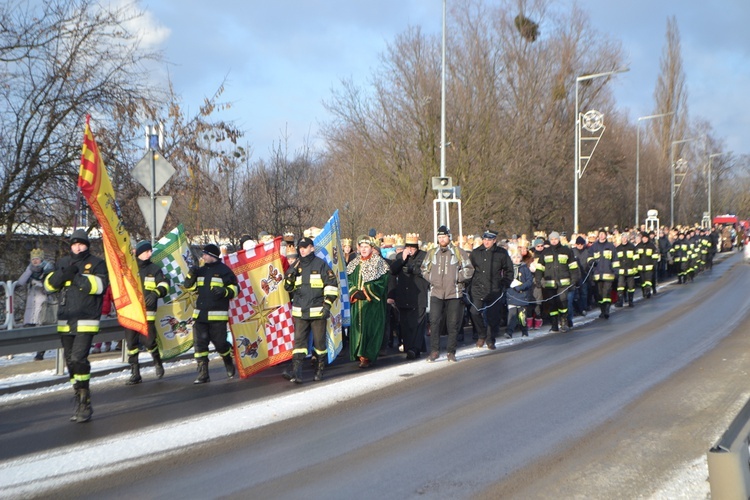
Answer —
(281, 59)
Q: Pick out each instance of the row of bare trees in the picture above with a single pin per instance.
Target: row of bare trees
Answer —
(510, 79)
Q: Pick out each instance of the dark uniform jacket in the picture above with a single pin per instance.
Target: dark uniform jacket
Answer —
(410, 289)
(556, 267)
(313, 286)
(155, 286)
(603, 257)
(216, 284)
(81, 296)
(627, 260)
(646, 256)
(493, 272)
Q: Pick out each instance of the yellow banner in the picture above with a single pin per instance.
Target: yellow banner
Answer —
(124, 279)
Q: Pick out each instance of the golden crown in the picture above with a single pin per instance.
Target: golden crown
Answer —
(37, 253)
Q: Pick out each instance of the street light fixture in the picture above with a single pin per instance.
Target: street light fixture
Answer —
(672, 165)
(638, 160)
(577, 153)
(710, 175)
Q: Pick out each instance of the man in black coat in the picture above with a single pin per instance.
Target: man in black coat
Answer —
(493, 273)
(409, 295)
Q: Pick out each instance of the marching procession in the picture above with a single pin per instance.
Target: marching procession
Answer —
(400, 292)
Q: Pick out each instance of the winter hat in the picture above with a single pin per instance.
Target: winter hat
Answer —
(80, 236)
(212, 250)
(443, 231)
(580, 240)
(304, 243)
(537, 242)
(554, 235)
(142, 246)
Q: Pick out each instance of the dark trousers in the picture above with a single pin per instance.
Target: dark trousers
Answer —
(413, 323)
(489, 319)
(446, 313)
(214, 332)
(76, 349)
(134, 339)
(604, 291)
(302, 329)
(557, 298)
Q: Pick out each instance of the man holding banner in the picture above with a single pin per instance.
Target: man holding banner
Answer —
(314, 289)
(81, 279)
(216, 284)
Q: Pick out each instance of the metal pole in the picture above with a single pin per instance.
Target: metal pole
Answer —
(637, 169)
(638, 160)
(442, 120)
(671, 191)
(577, 150)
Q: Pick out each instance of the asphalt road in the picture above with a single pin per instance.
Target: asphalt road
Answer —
(610, 409)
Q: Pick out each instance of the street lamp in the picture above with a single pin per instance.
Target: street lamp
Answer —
(672, 164)
(638, 159)
(577, 153)
(710, 175)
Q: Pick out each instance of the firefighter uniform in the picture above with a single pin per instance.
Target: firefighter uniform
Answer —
(603, 257)
(647, 258)
(215, 285)
(680, 252)
(314, 289)
(155, 286)
(81, 279)
(626, 273)
(556, 272)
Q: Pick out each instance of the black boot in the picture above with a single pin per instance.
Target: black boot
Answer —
(84, 410)
(602, 309)
(555, 324)
(319, 369)
(607, 306)
(74, 416)
(135, 371)
(630, 299)
(229, 365)
(620, 298)
(296, 371)
(202, 371)
(158, 365)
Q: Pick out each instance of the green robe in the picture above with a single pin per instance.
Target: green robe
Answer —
(367, 316)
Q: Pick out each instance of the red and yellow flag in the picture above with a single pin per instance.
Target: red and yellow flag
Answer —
(121, 265)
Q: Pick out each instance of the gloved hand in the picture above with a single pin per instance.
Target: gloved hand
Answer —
(150, 300)
(193, 270)
(358, 295)
(219, 292)
(68, 273)
(326, 310)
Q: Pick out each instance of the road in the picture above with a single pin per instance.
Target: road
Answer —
(610, 409)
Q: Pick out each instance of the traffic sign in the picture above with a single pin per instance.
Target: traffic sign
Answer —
(162, 171)
(147, 209)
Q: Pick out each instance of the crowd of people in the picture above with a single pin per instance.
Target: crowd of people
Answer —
(402, 292)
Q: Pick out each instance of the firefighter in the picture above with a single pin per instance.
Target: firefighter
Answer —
(556, 272)
(215, 284)
(314, 289)
(155, 286)
(647, 257)
(81, 278)
(626, 272)
(680, 256)
(603, 256)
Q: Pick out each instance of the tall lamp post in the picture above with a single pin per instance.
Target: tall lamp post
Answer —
(672, 164)
(638, 160)
(710, 175)
(577, 154)
(443, 208)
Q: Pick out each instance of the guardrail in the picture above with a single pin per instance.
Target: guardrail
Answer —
(729, 460)
(39, 338)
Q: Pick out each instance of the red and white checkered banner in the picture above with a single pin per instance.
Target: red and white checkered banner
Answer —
(260, 317)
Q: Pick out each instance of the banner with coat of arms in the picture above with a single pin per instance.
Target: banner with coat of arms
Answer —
(328, 248)
(174, 314)
(260, 317)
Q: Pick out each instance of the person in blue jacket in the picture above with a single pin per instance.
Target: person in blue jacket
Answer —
(518, 296)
